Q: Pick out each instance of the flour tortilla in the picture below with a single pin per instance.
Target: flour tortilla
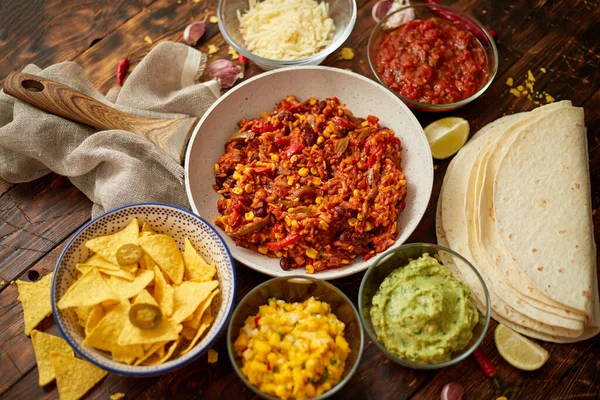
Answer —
(536, 313)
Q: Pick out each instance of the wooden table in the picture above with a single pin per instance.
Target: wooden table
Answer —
(37, 218)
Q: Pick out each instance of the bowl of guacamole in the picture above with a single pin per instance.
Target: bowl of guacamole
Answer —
(418, 309)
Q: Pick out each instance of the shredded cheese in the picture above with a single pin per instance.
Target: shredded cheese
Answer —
(286, 29)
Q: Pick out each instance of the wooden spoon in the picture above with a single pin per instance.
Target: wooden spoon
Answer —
(169, 135)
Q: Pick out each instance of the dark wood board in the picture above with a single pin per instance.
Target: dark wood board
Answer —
(37, 218)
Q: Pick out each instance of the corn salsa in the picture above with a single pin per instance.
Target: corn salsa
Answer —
(293, 350)
(432, 61)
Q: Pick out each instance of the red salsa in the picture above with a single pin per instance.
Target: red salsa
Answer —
(432, 61)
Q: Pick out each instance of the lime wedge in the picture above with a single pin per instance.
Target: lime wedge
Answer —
(446, 136)
(519, 351)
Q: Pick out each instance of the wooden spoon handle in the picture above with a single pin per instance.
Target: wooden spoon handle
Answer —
(169, 135)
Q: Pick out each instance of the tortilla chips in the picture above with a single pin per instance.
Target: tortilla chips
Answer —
(43, 345)
(178, 289)
(74, 377)
(35, 298)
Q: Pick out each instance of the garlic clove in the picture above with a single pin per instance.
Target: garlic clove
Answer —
(225, 72)
(193, 32)
(401, 17)
(380, 9)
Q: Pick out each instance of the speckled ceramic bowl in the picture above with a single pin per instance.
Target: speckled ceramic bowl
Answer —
(262, 93)
(166, 219)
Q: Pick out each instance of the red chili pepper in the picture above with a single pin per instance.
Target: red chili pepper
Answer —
(290, 239)
(292, 149)
(243, 59)
(342, 123)
(122, 70)
(373, 120)
(486, 365)
(460, 21)
(268, 366)
(256, 319)
(285, 104)
(262, 127)
(262, 170)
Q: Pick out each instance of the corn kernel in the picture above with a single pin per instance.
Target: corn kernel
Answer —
(356, 192)
(319, 200)
(249, 216)
(326, 133)
(352, 221)
(239, 167)
(263, 250)
(287, 164)
(365, 123)
(216, 167)
(291, 209)
(314, 171)
(323, 225)
(359, 217)
(294, 158)
(237, 190)
(297, 185)
(303, 172)
(295, 224)
(248, 188)
(310, 269)
(237, 176)
(402, 182)
(288, 220)
(275, 157)
(290, 180)
(359, 165)
(316, 180)
(312, 253)
(279, 254)
(345, 262)
(368, 227)
(320, 140)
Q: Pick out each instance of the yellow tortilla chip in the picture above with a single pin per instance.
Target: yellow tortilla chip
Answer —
(196, 319)
(147, 229)
(130, 268)
(127, 289)
(127, 354)
(188, 297)
(101, 263)
(106, 333)
(188, 332)
(144, 297)
(163, 250)
(43, 345)
(83, 312)
(88, 290)
(121, 273)
(152, 349)
(94, 317)
(107, 246)
(207, 319)
(167, 355)
(74, 377)
(35, 298)
(195, 266)
(146, 262)
(163, 292)
(213, 356)
(167, 330)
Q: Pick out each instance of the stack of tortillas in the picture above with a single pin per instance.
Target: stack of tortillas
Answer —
(516, 203)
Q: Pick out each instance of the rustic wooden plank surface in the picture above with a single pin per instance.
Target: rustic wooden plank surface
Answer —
(37, 218)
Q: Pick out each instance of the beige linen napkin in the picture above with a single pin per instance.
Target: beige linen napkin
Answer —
(113, 167)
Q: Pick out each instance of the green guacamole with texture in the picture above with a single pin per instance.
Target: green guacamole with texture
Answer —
(422, 313)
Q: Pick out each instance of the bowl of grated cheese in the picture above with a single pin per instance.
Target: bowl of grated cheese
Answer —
(284, 33)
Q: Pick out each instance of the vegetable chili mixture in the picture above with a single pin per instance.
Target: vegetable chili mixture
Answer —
(312, 184)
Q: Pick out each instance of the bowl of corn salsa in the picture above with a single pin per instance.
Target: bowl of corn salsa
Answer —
(295, 338)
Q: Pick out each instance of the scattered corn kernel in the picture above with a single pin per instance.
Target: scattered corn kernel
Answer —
(312, 253)
(310, 269)
(352, 221)
(345, 261)
(314, 171)
(288, 220)
(248, 188)
(275, 157)
(312, 101)
(356, 192)
(316, 180)
(263, 250)
(347, 53)
(148, 40)
(402, 182)
(216, 167)
(320, 140)
(290, 180)
(319, 200)
(237, 190)
(509, 81)
(303, 171)
(249, 216)
(213, 19)
(530, 76)
(359, 217)
(295, 224)
(543, 70)
(368, 227)
(323, 225)
(212, 49)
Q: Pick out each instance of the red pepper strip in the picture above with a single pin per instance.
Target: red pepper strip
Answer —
(465, 24)
(234, 219)
(342, 123)
(373, 120)
(262, 127)
(268, 366)
(122, 70)
(243, 59)
(282, 141)
(286, 105)
(262, 170)
(290, 239)
(292, 149)
(256, 319)
(373, 157)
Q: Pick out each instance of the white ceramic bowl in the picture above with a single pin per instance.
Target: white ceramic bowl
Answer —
(261, 93)
(166, 219)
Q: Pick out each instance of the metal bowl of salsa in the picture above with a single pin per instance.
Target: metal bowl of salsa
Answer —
(419, 309)
(434, 58)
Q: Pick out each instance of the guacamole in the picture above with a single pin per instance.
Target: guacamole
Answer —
(422, 313)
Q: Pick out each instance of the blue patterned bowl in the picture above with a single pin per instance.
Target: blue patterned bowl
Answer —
(166, 219)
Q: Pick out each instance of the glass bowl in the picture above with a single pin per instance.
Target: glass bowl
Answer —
(426, 11)
(343, 13)
(401, 256)
(297, 289)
